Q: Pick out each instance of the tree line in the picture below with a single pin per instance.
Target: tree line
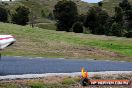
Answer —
(20, 16)
(96, 21)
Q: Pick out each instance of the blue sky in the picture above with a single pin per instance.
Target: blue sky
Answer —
(92, 1)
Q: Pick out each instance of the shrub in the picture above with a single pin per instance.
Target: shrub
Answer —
(21, 17)
(116, 29)
(128, 35)
(77, 27)
(96, 19)
(3, 14)
(65, 13)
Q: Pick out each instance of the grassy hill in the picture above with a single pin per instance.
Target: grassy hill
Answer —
(49, 43)
(110, 4)
(37, 6)
(48, 5)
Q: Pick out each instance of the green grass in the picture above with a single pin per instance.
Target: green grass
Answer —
(38, 42)
(8, 85)
(50, 26)
(37, 85)
(68, 81)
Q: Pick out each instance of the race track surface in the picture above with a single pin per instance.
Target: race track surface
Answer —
(26, 65)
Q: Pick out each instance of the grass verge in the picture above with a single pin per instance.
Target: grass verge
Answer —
(50, 43)
(63, 82)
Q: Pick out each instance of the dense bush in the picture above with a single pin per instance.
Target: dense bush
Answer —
(3, 14)
(116, 29)
(21, 17)
(128, 35)
(66, 14)
(96, 20)
(77, 27)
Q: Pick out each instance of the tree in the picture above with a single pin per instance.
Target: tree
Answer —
(128, 35)
(66, 14)
(116, 29)
(128, 20)
(91, 20)
(81, 18)
(118, 15)
(43, 13)
(77, 27)
(108, 25)
(125, 5)
(127, 14)
(100, 4)
(3, 14)
(50, 16)
(21, 16)
(96, 19)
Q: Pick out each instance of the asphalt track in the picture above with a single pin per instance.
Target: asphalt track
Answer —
(25, 65)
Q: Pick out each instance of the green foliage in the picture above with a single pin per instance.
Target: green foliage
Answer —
(116, 29)
(8, 85)
(21, 16)
(3, 14)
(43, 13)
(125, 5)
(127, 14)
(51, 16)
(96, 20)
(100, 4)
(118, 17)
(37, 85)
(66, 14)
(108, 25)
(68, 81)
(128, 35)
(77, 27)
(82, 18)
(128, 20)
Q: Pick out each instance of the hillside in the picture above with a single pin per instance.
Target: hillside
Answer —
(47, 5)
(110, 4)
(49, 43)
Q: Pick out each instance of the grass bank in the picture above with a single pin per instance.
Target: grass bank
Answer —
(50, 43)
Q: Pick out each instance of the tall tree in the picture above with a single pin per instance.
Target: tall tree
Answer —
(116, 29)
(96, 19)
(118, 15)
(100, 4)
(21, 16)
(127, 14)
(66, 14)
(3, 14)
(125, 5)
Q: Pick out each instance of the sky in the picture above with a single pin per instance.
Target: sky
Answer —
(92, 1)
